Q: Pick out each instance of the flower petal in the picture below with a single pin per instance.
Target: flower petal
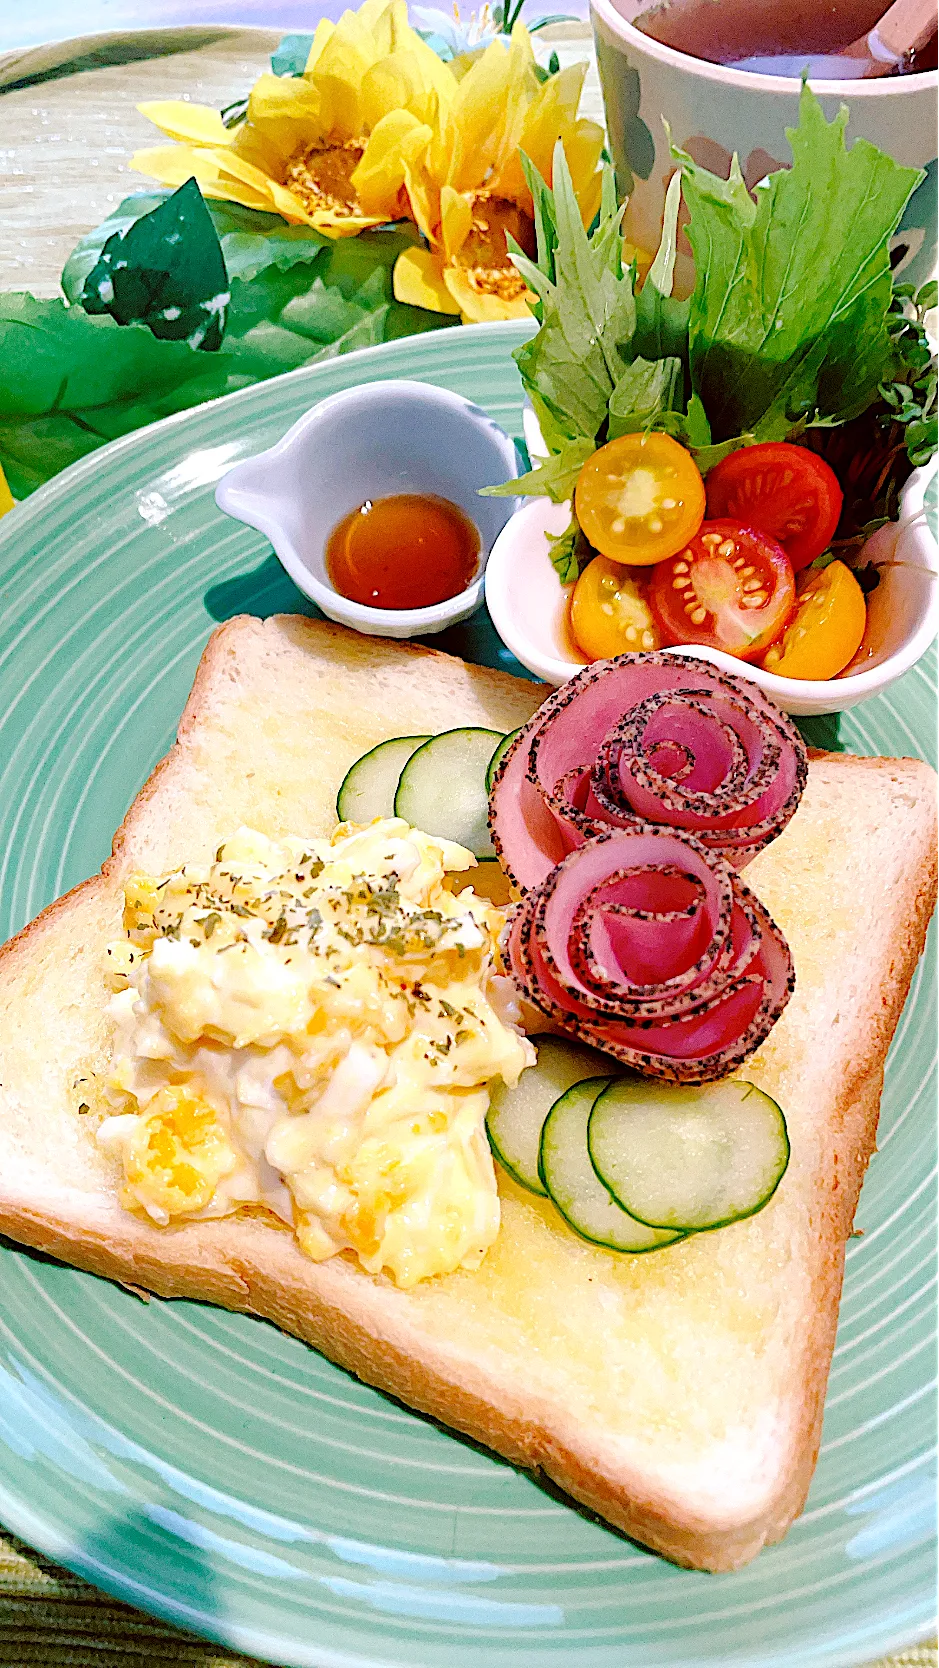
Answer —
(193, 124)
(552, 115)
(175, 164)
(291, 98)
(456, 220)
(233, 167)
(321, 35)
(379, 178)
(422, 166)
(478, 308)
(418, 281)
(583, 148)
(405, 81)
(488, 112)
(283, 116)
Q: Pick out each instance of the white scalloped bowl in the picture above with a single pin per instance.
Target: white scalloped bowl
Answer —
(528, 606)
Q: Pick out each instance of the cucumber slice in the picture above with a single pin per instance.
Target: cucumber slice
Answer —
(573, 1183)
(688, 1157)
(498, 756)
(368, 789)
(442, 789)
(516, 1116)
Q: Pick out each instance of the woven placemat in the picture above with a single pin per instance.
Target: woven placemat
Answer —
(68, 126)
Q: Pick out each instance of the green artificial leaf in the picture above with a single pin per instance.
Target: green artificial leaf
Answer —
(648, 393)
(291, 55)
(570, 552)
(166, 271)
(544, 72)
(69, 381)
(250, 239)
(554, 478)
(234, 114)
(788, 314)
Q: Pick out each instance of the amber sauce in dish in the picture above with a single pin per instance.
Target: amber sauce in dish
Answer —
(406, 551)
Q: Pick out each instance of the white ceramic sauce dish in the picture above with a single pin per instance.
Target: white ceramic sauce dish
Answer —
(528, 605)
(371, 442)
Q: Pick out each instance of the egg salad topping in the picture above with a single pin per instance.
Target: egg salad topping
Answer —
(312, 1026)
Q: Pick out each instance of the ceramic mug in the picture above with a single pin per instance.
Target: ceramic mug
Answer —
(714, 110)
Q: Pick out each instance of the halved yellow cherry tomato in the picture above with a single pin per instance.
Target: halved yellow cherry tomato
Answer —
(639, 499)
(609, 612)
(825, 631)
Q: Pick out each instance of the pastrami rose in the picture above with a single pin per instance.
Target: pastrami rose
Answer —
(652, 948)
(657, 738)
(623, 812)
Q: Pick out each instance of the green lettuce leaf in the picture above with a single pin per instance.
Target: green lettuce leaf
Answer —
(166, 270)
(788, 314)
(661, 320)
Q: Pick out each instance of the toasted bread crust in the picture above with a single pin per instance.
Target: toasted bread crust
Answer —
(248, 1263)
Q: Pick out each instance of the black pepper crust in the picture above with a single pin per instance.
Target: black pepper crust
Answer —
(654, 1008)
(703, 979)
(731, 797)
(603, 1011)
(601, 1021)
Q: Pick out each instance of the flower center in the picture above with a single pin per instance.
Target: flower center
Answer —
(321, 176)
(485, 254)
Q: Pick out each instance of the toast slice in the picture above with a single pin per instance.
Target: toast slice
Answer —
(680, 1394)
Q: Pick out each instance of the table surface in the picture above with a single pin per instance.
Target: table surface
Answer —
(68, 126)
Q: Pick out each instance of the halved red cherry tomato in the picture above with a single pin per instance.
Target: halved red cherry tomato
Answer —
(639, 498)
(731, 588)
(784, 491)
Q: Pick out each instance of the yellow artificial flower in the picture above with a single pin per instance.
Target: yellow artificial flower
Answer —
(7, 500)
(467, 189)
(324, 149)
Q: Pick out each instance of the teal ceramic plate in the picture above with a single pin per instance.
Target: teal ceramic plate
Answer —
(212, 1470)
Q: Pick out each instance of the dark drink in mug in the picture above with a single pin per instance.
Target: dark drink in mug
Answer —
(770, 37)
